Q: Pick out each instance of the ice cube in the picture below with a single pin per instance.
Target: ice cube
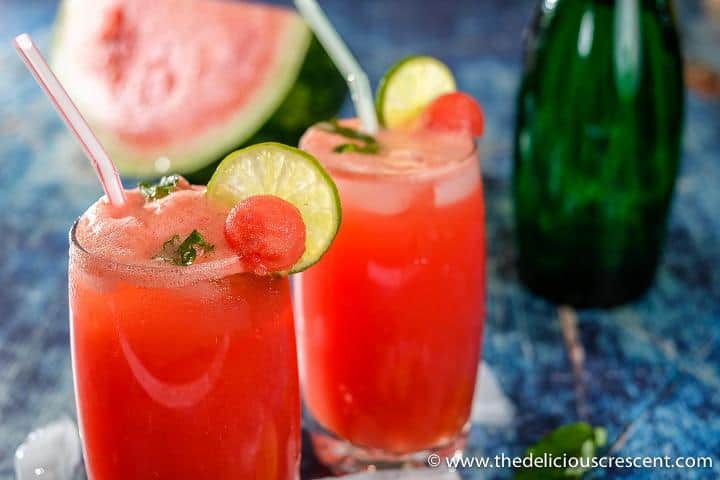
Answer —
(490, 405)
(455, 188)
(417, 474)
(51, 452)
(377, 196)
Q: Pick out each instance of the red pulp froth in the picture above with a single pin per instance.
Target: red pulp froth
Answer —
(267, 232)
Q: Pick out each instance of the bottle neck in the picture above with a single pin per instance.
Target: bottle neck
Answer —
(658, 5)
(663, 10)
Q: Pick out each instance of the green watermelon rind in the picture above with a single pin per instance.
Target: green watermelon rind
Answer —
(317, 94)
(206, 148)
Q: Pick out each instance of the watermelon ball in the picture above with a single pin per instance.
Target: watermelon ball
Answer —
(267, 232)
(454, 112)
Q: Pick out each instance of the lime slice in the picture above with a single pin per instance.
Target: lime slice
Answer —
(409, 86)
(291, 174)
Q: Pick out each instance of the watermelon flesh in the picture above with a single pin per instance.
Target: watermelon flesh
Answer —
(173, 85)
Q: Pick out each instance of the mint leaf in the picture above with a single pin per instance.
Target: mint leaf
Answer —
(579, 440)
(333, 126)
(184, 253)
(163, 188)
(368, 144)
(369, 148)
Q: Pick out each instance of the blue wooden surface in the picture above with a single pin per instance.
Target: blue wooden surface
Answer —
(652, 368)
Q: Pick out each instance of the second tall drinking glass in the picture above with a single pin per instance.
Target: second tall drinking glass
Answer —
(391, 319)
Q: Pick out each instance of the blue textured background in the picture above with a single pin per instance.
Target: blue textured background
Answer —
(652, 368)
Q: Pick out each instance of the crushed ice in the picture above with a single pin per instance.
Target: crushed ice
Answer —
(490, 405)
(51, 452)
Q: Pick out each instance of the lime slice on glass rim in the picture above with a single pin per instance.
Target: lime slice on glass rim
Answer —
(289, 173)
(409, 86)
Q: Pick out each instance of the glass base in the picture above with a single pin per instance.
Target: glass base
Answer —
(343, 457)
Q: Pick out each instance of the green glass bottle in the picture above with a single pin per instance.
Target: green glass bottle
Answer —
(597, 145)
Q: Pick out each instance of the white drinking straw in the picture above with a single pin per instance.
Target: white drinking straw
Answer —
(104, 166)
(354, 76)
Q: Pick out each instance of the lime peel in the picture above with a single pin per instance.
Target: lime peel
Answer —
(409, 87)
(289, 173)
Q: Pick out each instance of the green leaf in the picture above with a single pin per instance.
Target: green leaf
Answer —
(579, 440)
(368, 144)
(163, 188)
(185, 252)
(370, 148)
(333, 126)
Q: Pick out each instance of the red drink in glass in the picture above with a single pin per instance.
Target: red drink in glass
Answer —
(391, 318)
(180, 372)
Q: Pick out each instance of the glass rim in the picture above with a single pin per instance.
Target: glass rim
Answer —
(218, 268)
(429, 174)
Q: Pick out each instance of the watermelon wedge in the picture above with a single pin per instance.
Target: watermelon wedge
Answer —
(173, 85)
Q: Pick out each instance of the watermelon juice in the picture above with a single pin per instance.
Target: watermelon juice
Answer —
(181, 372)
(391, 318)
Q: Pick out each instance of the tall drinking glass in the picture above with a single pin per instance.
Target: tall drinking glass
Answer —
(182, 372)
(391, 318)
